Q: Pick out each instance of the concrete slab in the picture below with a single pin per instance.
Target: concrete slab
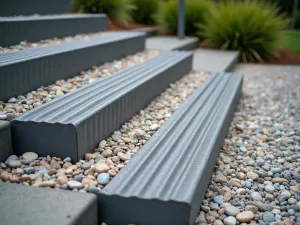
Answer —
(215, 60)
(35, 206)
(168, 43)
(5, 140)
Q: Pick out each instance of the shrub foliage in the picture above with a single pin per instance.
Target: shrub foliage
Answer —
(195, 12)
(145, 11)
(255, 28)
(118, 11)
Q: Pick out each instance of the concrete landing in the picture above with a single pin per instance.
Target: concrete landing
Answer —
(168, 43)
(35, 206)
(215, 60)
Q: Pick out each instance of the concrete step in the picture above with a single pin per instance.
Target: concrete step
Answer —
(74, 124)
(30, 7)
(168, 43)
(35, 206)
(166, 180)
(215, 60)
(27, 70)
(17, 29)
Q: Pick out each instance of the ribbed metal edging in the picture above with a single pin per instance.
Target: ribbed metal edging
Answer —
(75, 123)
(29, 69)
(17, 29)
(166, 180)
(30, 7)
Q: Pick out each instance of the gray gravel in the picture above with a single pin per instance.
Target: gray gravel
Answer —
(21, 104)
(97, 169)
(258, 169)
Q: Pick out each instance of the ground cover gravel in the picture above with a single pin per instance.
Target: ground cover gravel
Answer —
(257, 176)
(51, 41)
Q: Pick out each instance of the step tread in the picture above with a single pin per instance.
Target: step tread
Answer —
(82, 118)
(33, 53)
(174, 167)
(34, 206)
(167, 43)
(50, 17)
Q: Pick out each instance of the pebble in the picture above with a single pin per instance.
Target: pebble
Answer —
(101, 167)
(72, 184)
(14, 163)
(245, 216)
(103, 178)
(49, 183)
(268, 217)
(232, 210)
(256, 196)
(30, 156)
(230, 220)
(62, 179)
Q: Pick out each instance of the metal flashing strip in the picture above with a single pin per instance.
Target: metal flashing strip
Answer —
(31, 7)
(29, 69)
(166, 180)
(17, 29)
(75, 123)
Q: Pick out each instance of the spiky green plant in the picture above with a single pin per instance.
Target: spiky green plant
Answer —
(118, 11)
(145, 10)
(255, 28)
(195, 12)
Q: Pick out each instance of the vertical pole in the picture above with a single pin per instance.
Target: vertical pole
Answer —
(180, 28)
(295, 8)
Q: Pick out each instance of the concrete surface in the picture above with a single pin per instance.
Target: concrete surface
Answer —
(21, 205)
(215, 60)
(168, 43)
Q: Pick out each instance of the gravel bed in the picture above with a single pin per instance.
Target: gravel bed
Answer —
(257, 175)
(21, 104)
(112, 154)
(54, 41)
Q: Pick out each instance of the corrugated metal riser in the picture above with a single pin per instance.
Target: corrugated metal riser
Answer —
(166, 180)
(31, 7)
(22, 77)
(34, 30)
(74, 124)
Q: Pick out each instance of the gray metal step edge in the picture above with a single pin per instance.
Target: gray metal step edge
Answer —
(166, 180)
(17, 29)
(150, 31)
(34, 206)
(27, 70)
(30, 7)
(75, 123)
(5, 140)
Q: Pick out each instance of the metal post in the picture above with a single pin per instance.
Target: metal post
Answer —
(180, 28)
(295, 8)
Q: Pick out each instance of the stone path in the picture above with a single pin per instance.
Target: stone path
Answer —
(257, 175)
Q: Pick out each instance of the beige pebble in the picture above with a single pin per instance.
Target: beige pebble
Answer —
(101, 167)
